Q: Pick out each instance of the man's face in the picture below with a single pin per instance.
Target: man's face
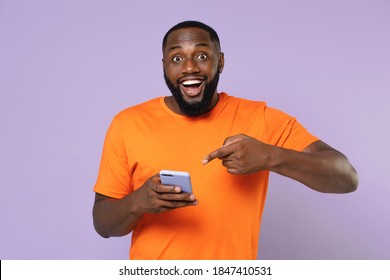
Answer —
(192, 63)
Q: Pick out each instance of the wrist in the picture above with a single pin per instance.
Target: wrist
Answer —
(274, 158)
(134, 209)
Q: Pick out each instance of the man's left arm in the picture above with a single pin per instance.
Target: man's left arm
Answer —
(318, 166)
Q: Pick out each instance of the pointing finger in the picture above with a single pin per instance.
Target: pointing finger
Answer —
(220, 153)
(212, 156)
(223, 151)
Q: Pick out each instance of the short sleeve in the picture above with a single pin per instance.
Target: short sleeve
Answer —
(114, 176)
(285, 131)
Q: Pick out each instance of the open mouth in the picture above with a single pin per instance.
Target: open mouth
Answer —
(192, 88)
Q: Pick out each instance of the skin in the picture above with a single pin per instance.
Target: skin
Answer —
(318, 166)
(190, 54)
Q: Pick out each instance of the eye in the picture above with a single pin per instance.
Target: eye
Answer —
(202, 56)
(176, 59)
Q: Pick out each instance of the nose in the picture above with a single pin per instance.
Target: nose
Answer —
(190, 66)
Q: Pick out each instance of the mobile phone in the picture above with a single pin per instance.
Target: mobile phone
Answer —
(176, 178)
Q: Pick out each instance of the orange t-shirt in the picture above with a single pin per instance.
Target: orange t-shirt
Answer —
(149, 137)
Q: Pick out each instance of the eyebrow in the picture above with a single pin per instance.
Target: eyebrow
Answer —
(197, 45)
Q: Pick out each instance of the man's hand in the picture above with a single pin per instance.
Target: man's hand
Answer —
(242, 154)
(118, 217)
(318, 166)
(154, 197)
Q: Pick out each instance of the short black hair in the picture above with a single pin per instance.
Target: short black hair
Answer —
(189, 24)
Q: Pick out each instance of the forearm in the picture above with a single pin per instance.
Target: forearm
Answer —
(114, 217)
(325, 171)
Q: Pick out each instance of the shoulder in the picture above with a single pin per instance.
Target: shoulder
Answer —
(253, 103)
(247, 107)
(136, 115)
(141, 107)
(243, 103)
(144, 108)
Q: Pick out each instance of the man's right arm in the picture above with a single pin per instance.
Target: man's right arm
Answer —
(118, 217)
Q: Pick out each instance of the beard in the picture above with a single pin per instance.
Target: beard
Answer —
(194, 108)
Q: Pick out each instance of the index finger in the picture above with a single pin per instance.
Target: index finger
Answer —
(220, 153)
(223, 151)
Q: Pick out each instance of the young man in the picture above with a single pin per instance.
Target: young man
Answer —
(228, 145)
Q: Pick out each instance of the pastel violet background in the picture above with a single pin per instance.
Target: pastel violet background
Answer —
(67, 67)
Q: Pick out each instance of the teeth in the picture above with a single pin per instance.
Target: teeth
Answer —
(191, 82)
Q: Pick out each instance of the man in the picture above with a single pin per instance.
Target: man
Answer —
(227, 144)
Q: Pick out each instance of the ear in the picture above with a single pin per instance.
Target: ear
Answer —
(221, 62)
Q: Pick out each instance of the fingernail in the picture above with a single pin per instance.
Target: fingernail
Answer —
(205, 161)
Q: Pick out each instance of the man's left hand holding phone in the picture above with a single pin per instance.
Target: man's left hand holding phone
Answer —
(118, 217)
(155, 196)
